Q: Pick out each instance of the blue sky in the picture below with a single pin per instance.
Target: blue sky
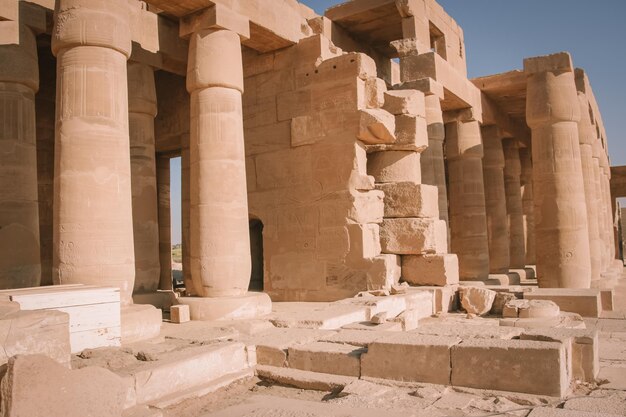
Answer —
(500, 33)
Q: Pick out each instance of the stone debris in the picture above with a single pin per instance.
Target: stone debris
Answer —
(476, 300)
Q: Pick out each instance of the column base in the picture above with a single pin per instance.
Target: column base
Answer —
(248, 306)
(159, 299)
(140, 322)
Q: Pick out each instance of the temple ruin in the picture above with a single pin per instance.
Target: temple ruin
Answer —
(355, 209)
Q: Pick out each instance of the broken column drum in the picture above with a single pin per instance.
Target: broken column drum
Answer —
(552, 112)
(20, 264)
(220, 241)
(93, 230)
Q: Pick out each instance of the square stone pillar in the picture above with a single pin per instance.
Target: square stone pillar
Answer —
(20, 261)
(495, 200)
(553, 112)
(219, 231)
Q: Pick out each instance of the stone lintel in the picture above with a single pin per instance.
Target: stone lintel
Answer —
(9, 9)
(561, 61)
(427, 85)
(14, 13)
(216, 17)
(464, 115)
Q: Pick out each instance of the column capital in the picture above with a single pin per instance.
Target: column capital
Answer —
(217, 17)
(559, 62)
(104, 23)
(141, 89)
(18, 63)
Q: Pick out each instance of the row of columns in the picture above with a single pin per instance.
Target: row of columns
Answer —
(108, 222)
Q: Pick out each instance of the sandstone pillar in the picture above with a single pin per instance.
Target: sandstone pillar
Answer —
(526, 179)
(20, 264)
(432, 159)
(596, 149)
(165, 226)
(495, 200)
(586, 138)
(93, 230)
(185, 194)
(552, 112)
(142, 110)
(468, 219)
(219, 230)
(607, 204)
(515, 214)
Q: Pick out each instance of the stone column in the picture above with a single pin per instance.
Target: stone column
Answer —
(165, 226)
(552, 112)
(515, 214)
(586, 138)
(495, 200)
(432, 159)
(526, 179)
(596, 149)
(20, 261)
(468, 218)
(142, 109)
(93, 230)
(607, 204)
(219, 230)
(185, 194)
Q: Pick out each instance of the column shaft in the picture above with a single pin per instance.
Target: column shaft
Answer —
(602, 213)
(142, 110)
(220, 240)
(20, 264)
(562, 236)
(528, 205)
(495, 201)
(468, 219)
(165, 226)
(586, 137)
(515, 214)
(185, 179)
(432, 159)
(93, 229)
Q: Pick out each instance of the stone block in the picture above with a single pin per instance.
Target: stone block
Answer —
(527, 309)
(606, 297)
(437, 270)
(179, 313)
(405, 102)
(413, 236)
(395, 166)
(476, 300)
(37, 386)
(303, 379)
(375, 89)
(410, 199)
(511, 365)
(140, 322)
(411, 133)
(500, 301)
(585, 349)
(272, 345)
(376, 126)
(329, 358)
(557, 412)
(586, 302)
(410, 357)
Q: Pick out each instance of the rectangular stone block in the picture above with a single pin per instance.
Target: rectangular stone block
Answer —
(410, 199)
(413, 236)
(405, 102)
(179, 313)
(325, 357)
(410, 357)
(394, 166)
(438, 270)
(272, 345)
(586, 302)
(411, 132)
(606, 297)
(511, 365)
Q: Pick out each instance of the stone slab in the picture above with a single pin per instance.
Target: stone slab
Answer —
(303, 379)
(140, 322)
(272, 345)
(586, 302)
(469, 332)
(317, 315)
(248, 306)
(556, 412)
(324, 357)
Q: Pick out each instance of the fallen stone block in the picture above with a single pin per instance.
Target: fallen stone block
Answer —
(500, 301)
(410, 357)
(413, 236)
(586, 302)
(37, 386)
(585, 349)
(476, 300)
(304, 379)
(437, 269)
(528, 309)
(331, 358)
(179, 313)
(511, 365)
(410, 199)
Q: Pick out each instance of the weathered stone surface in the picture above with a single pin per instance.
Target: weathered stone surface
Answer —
(405, 102)
(586, 302)
(394, 166)
(376, 126)
(409, 199)
(330, 358)
(413, 236)
(527, 309)
(502, 298)
(37, 386)
(434, 269)
(476, 300)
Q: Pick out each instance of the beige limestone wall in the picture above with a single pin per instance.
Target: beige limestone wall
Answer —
(307, 171)
(20, 264)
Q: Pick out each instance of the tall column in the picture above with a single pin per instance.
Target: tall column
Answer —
(433, 164)
(552, 112)
(185, 195)
(607, 204)
(586, 138)
(596, 149)
(142, 109)
(20, 264)
(468, 218)
(93, 229)
(526, 179)
(165, 227)
(495, 200)
(515, 214)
